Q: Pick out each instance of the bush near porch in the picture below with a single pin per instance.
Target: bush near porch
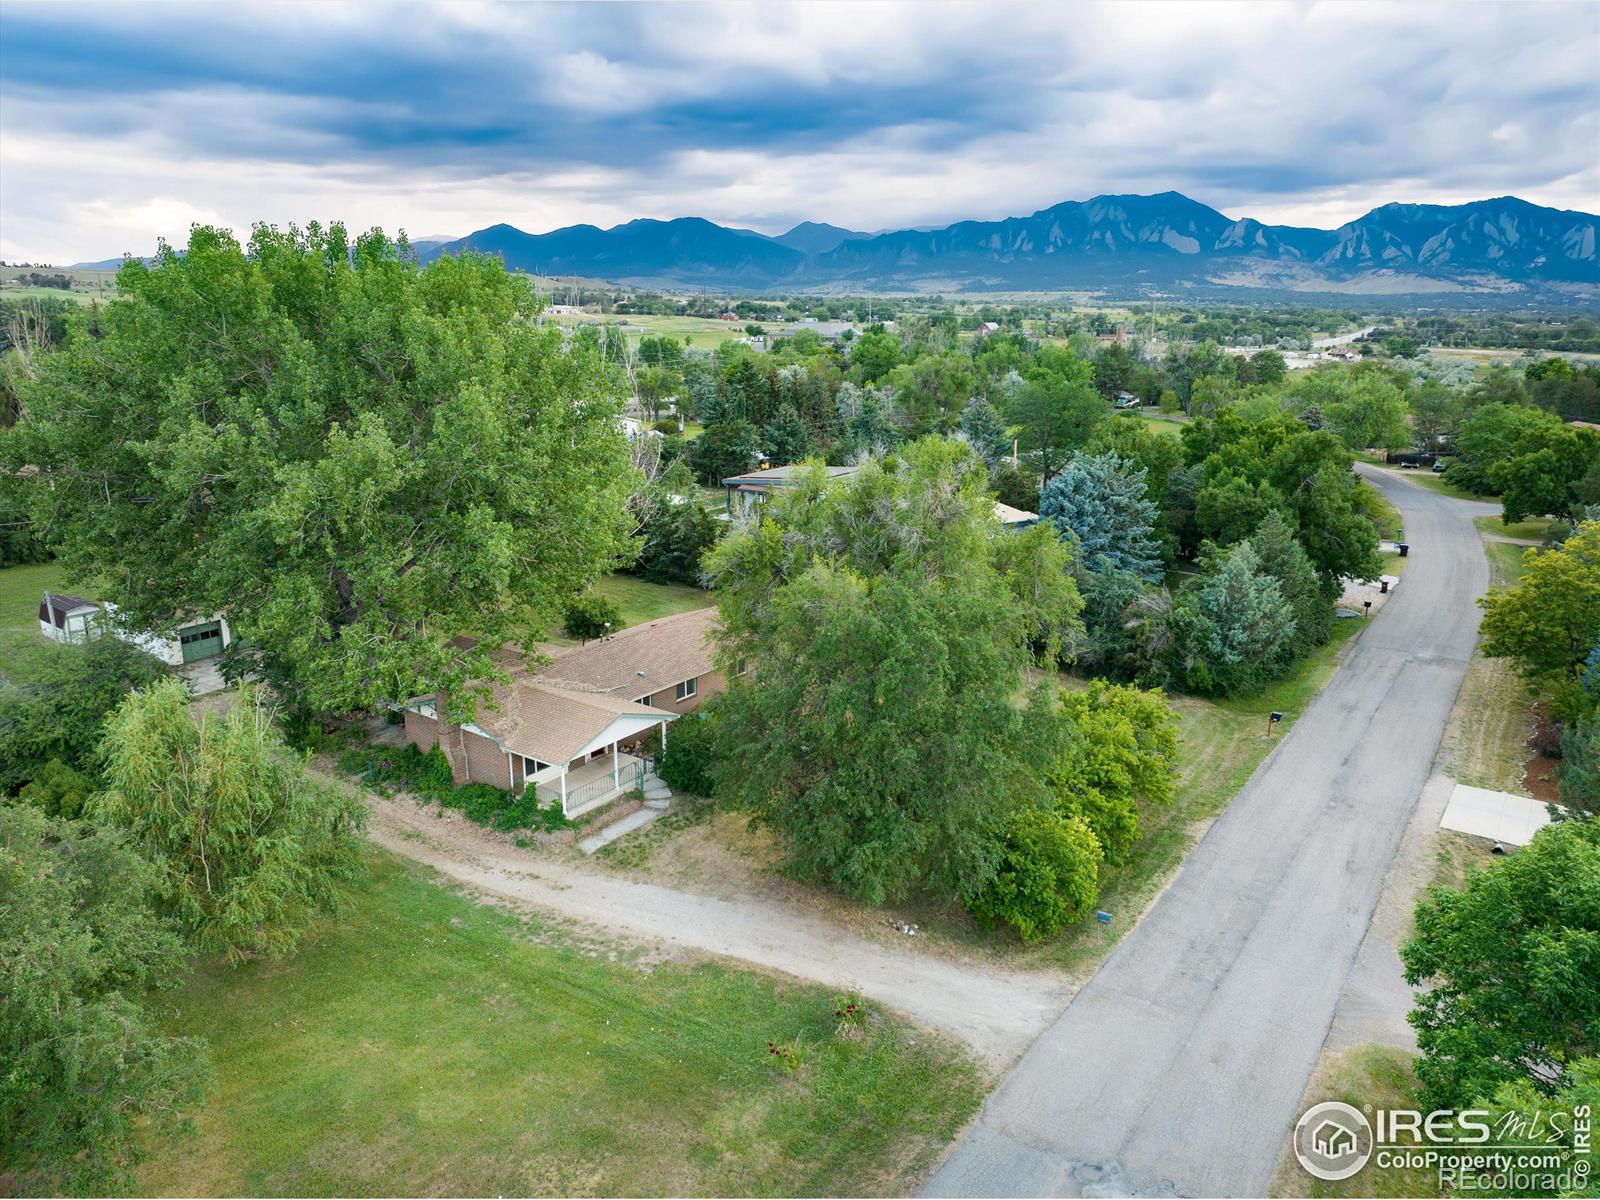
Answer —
(426, 1045)
(428, 776)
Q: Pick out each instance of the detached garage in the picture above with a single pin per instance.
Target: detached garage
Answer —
(74, 619)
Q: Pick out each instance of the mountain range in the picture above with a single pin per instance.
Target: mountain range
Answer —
(1502, 248)
(1110, 243)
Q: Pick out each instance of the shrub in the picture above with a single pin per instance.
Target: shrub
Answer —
(58, 790)
(58, 709)
(591, 616)
(791, 1055)
(687, 761)
(1048, 875)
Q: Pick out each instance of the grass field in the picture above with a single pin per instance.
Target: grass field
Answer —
(21, 588)
(425, 1045)
(1171, 426)
(1372, 1077)
(641, 601)
(1486, 741)
(704, 333)
(87, 284)
(1535, 528)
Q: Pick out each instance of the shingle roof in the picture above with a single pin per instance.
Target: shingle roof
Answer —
(638, 661)
(553, 724)
(56, 605)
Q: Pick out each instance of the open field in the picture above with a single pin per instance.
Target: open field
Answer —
(426, 1045)
(87, 284)
(21, 588)
(1171, 426)
(703, 333)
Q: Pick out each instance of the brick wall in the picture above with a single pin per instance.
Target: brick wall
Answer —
(422, 732)
(486, 761)
(708, 686)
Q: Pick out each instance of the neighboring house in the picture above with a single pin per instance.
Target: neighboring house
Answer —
(65, 618)
(753, 487)
(74, 619)
(1014, 518)
(572, 727)
(987, 328)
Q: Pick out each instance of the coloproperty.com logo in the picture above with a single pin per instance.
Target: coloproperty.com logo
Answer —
(1471, 1149)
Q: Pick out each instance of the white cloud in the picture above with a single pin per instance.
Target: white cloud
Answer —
(114, 132)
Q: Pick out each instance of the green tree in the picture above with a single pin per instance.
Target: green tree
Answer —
(1578, 774)
(353, 455)
(248, 847)
(1057, 414)
(591, 616)
(883, 746)
(1269, 366)
(1118, 754)
(873, 355)
(1235, 623)
(1282, 559)
(1046, 876)
(1101, 501)
(786, 437)
(88, 1078)
(54, 708)
(1511, 964)
(724, 450)
(1547, 622)
(1370, 411)
(986, 431)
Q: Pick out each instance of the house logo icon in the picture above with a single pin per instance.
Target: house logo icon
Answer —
(1333, 1141)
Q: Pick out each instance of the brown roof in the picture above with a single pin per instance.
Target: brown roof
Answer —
(553, 724)
(638, 661)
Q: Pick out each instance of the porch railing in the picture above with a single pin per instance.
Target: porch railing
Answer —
(630, 777)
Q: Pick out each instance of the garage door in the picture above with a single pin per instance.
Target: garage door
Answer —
(201, 641)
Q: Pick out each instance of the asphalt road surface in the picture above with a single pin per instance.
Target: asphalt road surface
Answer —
(1179, 1068)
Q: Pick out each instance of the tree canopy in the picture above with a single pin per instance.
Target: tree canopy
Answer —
(87, 1074)
(353, 456)
(248, 847)
(890, 626)
(1511, 964)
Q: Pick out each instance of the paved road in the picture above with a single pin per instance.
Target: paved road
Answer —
(1179, 1067)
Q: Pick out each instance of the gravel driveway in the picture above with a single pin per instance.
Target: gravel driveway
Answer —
(996, 1012)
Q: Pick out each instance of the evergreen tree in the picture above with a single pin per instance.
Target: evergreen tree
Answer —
(1101, 501)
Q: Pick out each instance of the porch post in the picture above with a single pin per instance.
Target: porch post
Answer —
(563, 788)
(616, 767)
(663, 737)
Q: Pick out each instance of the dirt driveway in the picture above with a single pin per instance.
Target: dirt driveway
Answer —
(996, 1012)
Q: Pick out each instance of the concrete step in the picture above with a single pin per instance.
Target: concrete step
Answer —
(612, 832)
(659, 805)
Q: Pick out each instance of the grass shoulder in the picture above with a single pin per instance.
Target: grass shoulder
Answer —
(424, 1044)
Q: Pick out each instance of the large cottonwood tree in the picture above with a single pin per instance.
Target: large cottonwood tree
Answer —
(352, 456)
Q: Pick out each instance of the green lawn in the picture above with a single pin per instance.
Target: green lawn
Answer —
(1486, 742)
(1171, 426)
(1383, 513)
(1368, 1077)
(425, 1045)
(21, 589)
(1534, 529)
(641, 601)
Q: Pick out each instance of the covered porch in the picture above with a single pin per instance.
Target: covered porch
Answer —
(584, 786)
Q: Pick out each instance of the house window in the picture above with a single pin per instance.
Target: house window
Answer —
(688, 688)
(740, 666)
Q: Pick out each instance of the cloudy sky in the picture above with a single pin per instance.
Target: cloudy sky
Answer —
(123, 123)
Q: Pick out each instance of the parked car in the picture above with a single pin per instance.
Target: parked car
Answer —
(1439, 467)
